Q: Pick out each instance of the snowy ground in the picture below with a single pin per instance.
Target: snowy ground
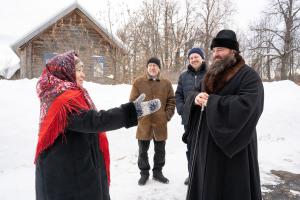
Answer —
(278, 134)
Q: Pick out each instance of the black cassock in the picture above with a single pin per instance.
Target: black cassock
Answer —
(226, 165)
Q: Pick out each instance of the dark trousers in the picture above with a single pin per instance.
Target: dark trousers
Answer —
(188, 155)
(188, 151)
(159, 156)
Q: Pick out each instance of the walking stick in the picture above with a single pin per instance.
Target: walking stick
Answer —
(191, 174)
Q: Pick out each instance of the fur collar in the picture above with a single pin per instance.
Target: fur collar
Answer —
(214, 83)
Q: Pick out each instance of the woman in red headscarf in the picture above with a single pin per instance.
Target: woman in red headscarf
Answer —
(72, 155)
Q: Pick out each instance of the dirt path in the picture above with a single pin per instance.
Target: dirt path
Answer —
(289, 189)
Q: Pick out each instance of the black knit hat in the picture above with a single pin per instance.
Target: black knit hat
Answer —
(196, 50)
(225, 38)
(154, 60)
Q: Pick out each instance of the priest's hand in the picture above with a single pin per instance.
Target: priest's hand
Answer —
(201, 99)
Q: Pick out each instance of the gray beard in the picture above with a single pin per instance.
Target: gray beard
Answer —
(220, 65)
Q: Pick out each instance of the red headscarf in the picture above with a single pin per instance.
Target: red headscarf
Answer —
(60, 95)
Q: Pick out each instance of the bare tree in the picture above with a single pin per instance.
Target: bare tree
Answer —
(159, 29)
(167, 29)
(182, 27)
(213, 15)
(261, 52)
(281, 35)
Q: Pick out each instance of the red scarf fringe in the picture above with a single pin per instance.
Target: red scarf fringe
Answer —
(55, 122)
(104, 148)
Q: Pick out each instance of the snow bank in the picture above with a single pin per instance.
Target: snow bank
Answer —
(278, 135)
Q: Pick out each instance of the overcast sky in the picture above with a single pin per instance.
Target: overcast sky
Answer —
(19, 17)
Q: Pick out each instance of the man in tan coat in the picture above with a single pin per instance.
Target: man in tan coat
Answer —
(153, 126)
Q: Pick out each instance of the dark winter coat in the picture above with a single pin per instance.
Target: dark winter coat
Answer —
(73, 167)
(188, 81)
(155, 124)
(226, 165)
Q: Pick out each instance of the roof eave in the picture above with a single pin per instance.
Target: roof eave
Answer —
(21, 42)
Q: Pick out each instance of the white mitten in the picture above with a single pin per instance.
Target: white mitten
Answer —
(147, 107)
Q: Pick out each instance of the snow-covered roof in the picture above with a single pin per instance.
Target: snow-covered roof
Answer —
(9, 71)
(115, 41)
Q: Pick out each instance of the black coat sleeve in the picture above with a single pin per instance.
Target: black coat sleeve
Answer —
(187, 114)
(232, 118)
(179, 96)
(92, 121)
(188, 106)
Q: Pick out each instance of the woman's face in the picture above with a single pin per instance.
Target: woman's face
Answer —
(79, 72)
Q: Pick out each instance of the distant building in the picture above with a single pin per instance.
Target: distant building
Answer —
(10, 72)
(73, 28)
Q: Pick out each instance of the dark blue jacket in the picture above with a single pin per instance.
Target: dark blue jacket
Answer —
(189, 80)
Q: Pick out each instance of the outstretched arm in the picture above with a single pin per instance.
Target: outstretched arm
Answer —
(126, 116)
(92, 121)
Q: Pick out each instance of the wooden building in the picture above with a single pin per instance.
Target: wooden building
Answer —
(10, 72)
(73, 28)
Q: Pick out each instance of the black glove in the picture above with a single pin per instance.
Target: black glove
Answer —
(147, 107)
(185, 137)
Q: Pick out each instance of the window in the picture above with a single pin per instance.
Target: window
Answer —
(48, 56)
(99, 65)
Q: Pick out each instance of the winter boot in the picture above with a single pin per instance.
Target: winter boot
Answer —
(158, 176)
(144, 178)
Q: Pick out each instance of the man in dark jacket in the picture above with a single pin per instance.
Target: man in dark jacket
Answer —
(189, 81)
(153, 126)
(226, 164)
